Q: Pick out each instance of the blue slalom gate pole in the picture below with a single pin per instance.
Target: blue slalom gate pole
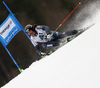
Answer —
(7, 7)
(6, 47)
(13, 60)
(11, 57)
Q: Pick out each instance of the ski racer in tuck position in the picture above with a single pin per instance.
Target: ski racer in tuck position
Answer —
(42, 34)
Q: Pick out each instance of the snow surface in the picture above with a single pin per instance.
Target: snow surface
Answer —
(75, 65)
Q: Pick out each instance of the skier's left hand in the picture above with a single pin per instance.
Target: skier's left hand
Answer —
(48, 37)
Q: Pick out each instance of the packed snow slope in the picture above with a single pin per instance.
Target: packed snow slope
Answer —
(75, 65)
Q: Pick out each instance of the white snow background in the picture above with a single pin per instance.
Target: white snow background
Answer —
(75, 65)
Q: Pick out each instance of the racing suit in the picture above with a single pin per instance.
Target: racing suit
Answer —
(41, 36)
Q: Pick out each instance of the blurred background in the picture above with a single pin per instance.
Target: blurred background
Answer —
(41, 12)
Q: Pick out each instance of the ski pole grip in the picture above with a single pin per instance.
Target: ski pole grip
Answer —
(79, 2)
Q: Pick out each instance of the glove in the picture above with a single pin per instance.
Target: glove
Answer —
(48, 37)
(42, 54)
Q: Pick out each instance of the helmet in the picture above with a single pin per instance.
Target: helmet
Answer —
(28, 28)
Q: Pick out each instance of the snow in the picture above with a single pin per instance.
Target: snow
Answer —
(75, 65)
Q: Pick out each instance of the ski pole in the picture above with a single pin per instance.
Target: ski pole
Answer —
(65, 19)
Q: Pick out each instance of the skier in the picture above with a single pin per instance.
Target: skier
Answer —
(42, 34)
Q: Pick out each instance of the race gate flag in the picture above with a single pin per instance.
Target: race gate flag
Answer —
(8, 29)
